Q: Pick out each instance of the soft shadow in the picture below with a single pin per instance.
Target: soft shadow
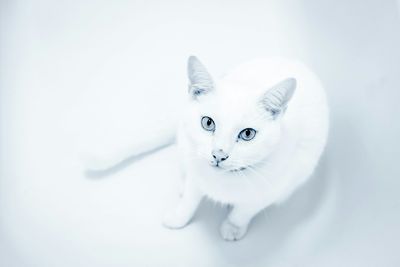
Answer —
(270, 229)
(95, 174)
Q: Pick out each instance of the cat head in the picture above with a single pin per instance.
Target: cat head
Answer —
(231, 126)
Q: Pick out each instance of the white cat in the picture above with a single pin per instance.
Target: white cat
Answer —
(249, 139)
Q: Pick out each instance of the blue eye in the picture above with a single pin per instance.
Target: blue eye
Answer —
(207, 123)
(247, 134)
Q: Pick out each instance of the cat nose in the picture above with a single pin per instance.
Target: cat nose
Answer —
(219, 155)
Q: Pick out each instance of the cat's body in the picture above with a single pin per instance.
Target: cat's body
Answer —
(273, 169)
(248, 140)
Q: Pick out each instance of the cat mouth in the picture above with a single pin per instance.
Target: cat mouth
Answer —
(238, 169)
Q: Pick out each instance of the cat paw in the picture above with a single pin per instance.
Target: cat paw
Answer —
(174, 220)
(232, 232)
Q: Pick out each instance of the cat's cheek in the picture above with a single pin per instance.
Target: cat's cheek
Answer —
(272, 136)
(204, 147)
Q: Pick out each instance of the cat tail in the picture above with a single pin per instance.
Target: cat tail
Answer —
(104, 165)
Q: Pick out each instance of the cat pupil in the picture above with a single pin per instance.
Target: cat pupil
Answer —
(208, 122)
(247, 132)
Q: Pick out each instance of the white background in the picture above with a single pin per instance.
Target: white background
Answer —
(82, 77)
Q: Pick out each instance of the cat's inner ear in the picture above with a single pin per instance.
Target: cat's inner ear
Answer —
(276, 99)
(200, 81)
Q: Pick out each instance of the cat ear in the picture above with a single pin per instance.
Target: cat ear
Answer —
(199, 78)
(275, 100)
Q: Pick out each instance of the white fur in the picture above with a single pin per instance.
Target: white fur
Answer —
(281, 157)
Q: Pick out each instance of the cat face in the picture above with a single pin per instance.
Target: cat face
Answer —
(230, 128)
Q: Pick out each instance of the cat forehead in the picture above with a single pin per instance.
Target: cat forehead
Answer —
(237, 96)
(236, 99)
(230, 108)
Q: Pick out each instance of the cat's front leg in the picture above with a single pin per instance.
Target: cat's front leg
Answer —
(236, 224)
(186, 208)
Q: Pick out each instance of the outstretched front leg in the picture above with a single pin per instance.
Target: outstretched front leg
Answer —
(235, 225)
(186, 208)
